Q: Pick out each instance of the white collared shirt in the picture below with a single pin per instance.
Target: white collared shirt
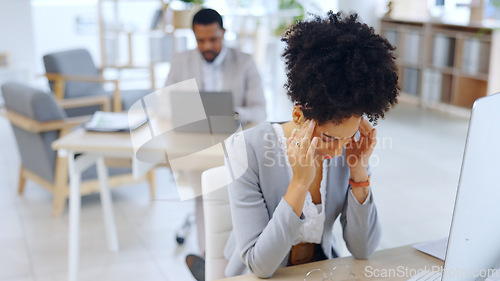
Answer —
(211, 72)
(314, 214)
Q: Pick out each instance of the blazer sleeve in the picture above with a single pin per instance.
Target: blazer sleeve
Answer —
(254, 109)
(172, 74)
(262, 241)
(360, 225)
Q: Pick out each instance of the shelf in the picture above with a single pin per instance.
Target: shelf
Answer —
(407, 98)
(468, 90)
(403, 22)
(450, 65)
(446, 88)
(134, 31)
(477, 76)
(402, 63)
(444, 70)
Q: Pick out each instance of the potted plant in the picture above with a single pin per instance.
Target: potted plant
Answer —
(291, 11)
(183, 17)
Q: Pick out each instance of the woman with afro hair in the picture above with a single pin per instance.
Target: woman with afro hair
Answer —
(290, 181)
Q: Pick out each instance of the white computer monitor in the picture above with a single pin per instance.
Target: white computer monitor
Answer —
(474, 242)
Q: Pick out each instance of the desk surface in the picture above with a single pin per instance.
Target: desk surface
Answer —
(81, 140)
(397, 264)
(193, 151)
(163, 133)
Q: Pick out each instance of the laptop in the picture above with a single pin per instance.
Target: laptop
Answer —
(473, 252)
(203, 112)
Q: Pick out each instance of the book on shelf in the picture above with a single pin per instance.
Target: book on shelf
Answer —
(475, 56)
(411, 81)
(392, 37)
(412, 47)
(443, 51)
(431, 86)
(484, 57)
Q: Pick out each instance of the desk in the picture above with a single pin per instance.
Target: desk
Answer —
(405, 258)
(95, 146)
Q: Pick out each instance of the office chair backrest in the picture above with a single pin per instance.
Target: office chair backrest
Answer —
(76, 62)
(218, 224)
(35, 148)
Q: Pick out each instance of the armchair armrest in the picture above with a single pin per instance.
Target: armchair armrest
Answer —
(126, 66)
(77, 78)
(103, 101)
(34, 126)
(60, 79)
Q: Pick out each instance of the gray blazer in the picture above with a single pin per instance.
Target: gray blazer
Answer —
(240, 77)
(264, 224)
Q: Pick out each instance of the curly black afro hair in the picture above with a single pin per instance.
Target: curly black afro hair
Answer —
(338, 68)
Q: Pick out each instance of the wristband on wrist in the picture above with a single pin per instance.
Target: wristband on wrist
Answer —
(360, 184)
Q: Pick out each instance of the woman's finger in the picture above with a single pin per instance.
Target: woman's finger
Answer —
(365, 127)
(312, 149)
(299, 132)
(292, 136)
(304, 145)
(302, 130)
(310, 129)
(293, 147)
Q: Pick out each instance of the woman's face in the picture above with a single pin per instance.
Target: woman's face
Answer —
(333, 138)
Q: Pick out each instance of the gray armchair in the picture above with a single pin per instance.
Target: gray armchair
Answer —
(73, 74)
(37, 120)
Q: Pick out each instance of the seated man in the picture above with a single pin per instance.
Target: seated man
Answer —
(219, 68)
(216, 67)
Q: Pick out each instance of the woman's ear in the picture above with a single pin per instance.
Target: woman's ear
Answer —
(297, 115)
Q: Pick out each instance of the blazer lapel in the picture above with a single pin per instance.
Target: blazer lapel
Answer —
(227, 70)
(195, 68)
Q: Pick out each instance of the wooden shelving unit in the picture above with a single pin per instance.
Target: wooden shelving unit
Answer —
(445, 64)
(118, 39)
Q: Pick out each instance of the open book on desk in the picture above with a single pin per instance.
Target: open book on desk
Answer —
(114, 122)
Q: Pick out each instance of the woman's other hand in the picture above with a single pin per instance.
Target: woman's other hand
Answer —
(358, 153)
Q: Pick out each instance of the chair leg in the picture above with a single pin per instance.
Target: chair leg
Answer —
(22, 180)
(152, 187)
(60, 186)
(59, 201)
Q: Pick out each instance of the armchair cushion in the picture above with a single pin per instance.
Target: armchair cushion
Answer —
(73, 62)
(32, 103)
(35, 148)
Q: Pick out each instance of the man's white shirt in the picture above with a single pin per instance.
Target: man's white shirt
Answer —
(211, 72)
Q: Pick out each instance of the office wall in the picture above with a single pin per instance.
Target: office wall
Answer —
(16, 33)
(370, 11)
(62, 25)
(56, 28)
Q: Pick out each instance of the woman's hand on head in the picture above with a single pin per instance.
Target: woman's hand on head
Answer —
(301, 152)
(358, 153)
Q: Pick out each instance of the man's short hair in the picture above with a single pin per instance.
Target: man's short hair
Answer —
(207, 16)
